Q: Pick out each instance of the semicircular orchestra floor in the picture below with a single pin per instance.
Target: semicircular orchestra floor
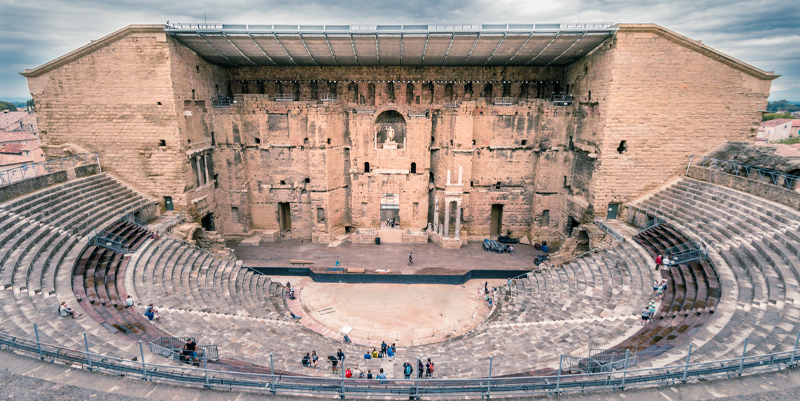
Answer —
(396, 313)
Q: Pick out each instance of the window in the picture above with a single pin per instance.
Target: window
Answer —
(524, 142)
(566, 183)
(366, 167)
(235, 214)
(329, 141)
(363, 209)
(307, 180)
(283, 182)
(197, 68)
(545, 218)
(159, 103)
(258, 140)
(413, 168)
(192, 93)
(162, 143)
(497, 186)
(320, 215)
(415, 208)
(473, 142)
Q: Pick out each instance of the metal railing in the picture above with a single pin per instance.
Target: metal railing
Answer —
(172, 347)
(328, 97)
(365, 109)
(451, 105)
(33, 170)
(109, 240)
(562, 100)
(561, 259)
(284, 97)
(684, 253)
(503, 101)
(416, 388)
(769, 176)
(221, 101)
(612, 232)
(599, 360)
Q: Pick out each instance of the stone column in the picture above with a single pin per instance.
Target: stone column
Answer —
(436, 213)
(446, 219)
(205, 164)
(458, 219)
(199, 173)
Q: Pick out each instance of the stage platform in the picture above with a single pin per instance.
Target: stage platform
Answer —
(429, 260)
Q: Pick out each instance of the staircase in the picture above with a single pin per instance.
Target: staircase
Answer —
(390, 236)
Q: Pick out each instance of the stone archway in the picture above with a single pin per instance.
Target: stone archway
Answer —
(390, 130)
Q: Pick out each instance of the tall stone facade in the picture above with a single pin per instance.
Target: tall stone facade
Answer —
(314, 151)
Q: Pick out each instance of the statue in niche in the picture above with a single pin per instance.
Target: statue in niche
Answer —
(390, 143)
(390, 130)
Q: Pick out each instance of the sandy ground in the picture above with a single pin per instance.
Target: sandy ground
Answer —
(401, 313)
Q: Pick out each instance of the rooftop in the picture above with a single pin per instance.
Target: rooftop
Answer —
(16, 136)
(10, 117)
(392, 45)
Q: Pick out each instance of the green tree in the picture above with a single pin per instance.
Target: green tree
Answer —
(790, 141)
(783, 105)
(7, 106)
(773, 116)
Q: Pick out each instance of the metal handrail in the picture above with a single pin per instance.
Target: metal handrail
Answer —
(614, 234)
(528, 385)
(777, 178)
(33, 170)
(552, 264)
(503, 101)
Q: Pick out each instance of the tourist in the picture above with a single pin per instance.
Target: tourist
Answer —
(656, 285)
(375, 353)
(659, 293)
(337, 262)
(486, 287)
(407, 370)
(294, 316)
(369, 374)
(420, 369)
(658, 262)
(348, 373)
(389, 353)
(65, 311)
(190, 351)
(334, 362)
(382, 377)
(645, 316)
(129, 301)
(429, 368)
(511, 249)
(152, 313)
(410, 260)
(340, 356)
(315, 359)
(665, 262)
(383, 349)
(394, 349)
(307, 360)
(357, 373)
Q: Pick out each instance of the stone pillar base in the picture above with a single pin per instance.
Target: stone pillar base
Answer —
(447, 243)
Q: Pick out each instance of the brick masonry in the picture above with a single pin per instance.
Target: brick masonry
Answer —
(144, 101)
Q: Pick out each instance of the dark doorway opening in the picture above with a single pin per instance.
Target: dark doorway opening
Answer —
(285, 216)
(496, 222)
(168, 203)
(571, 225)
(207, 222)
(413, 168)
(582, 239)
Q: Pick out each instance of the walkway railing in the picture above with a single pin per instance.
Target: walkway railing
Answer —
(562, 100)
(762, 174)
(416, 388)
(33, 170)
(221, 101)
(172, 347)
(610, 231)
(109, 240)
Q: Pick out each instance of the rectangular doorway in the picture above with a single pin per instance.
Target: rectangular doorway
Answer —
(168, 203)
(285, 216)
(390, 209)
(496, 224)
(208, 222)
(613, 208)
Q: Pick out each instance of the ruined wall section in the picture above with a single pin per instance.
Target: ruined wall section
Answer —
(668, 98)
(118, 100)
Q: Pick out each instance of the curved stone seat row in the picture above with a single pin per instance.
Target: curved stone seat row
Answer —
(41, 236)
(758, 240)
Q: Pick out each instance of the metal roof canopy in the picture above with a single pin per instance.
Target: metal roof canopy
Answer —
(392, 45)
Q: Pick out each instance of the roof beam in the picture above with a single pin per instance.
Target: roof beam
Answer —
(520, 48)
(567, 49)
(237, 48)
(249, 35)
(545, 48)
(309, 51)
(452, 38)
(331, 49)
(284, 49)
(377, 49)
(473, 48)
(495, 49)
(355, 53)
(215, 49)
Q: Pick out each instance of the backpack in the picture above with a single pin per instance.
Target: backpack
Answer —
(408, 370)
(430, 367)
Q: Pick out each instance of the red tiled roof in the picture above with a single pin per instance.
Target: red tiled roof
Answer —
(13, 148)
(795, 123)
(33, 145)
(11, 117)
(16, 136)
(775, 122)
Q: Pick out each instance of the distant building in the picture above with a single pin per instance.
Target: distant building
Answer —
(23, 137)
(19, 149)
(777, 130)
(17, 121)
(796, 114)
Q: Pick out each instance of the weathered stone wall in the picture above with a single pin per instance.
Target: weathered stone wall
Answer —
(774, 193)
(29, 185)
(666, 98)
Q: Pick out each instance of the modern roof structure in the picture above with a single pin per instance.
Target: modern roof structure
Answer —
(392, 45)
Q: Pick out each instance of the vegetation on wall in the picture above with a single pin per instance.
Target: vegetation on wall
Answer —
(773, 116)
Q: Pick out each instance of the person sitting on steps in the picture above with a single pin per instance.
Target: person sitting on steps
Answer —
(65, 311)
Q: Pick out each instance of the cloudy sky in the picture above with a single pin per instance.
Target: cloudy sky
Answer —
(764, 33)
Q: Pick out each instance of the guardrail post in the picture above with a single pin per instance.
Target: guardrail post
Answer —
(144, 368)
(38, 344)
(341, 368)
(686, 366)
(205, 365)
(558, 380)
(88, 358)
(741, 362)
(624, 368)
(489, 386)
(99, 168)
(272, 371)
(794, 351)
